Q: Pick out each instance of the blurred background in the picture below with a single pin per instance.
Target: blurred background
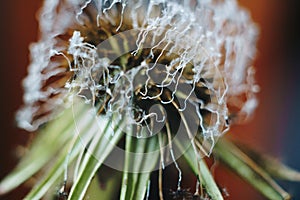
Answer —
(274, 129)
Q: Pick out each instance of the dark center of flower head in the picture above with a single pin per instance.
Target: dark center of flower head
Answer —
(130, 70)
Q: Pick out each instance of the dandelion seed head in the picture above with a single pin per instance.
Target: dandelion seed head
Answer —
(126, 56)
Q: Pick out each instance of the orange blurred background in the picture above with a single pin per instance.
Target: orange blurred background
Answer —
(273, 129)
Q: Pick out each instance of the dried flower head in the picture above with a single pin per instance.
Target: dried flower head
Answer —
(172, 75)
(126, 56)
(134, 85)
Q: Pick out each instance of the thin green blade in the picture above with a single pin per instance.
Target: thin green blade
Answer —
(200, 168)
(94, 158)
(57, 170)
(249, 170)
(45, 146)
(271, 165)
(140, 160)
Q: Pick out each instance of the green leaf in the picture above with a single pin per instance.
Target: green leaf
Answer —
(47, 143)
(271, 165)
(99, 149)
(140, 160)
(51, 177)
(94, 192)
(200, 168)
(249, 170)
(277, 169)
(56, 170)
